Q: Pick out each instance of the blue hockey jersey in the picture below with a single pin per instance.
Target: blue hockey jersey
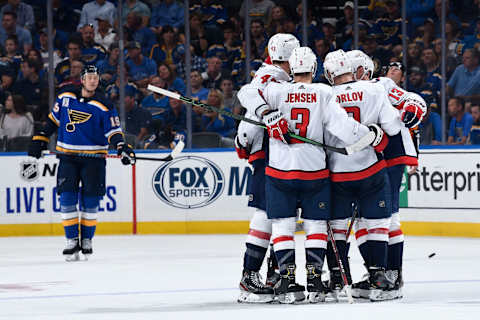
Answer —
(85, 125)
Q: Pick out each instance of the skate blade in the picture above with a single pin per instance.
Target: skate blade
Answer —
(72, 257)
(361, 293)
(291, 297)
(86, 256)
(381, 295)
(316, 297)
(249, 297)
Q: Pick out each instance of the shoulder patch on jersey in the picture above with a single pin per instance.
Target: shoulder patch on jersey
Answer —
(67, 94)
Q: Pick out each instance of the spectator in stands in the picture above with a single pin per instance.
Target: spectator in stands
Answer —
(214, 14)
(92, 52)
(418, 11)
(321, 49)
(142, 68)
(7, 77)
(138, 119)
(379, 55)
(428, 33)
(24, 12)
(461, 121)
(215, 122)
(465, 81)
(104, 33)
(62, 71)
(176, 116)
(259, 39)
(199, 92)
(43, 49)
(197, 63)
(10, 27)
(63, 15)
(275, 25)
(112, 91)
(432, 65)
(15, 121)
(156, 103)
(328, 28)
(345, 24)
(437, 16)
(475, 130)
(201, 36)
(417, 84)
(166, 13)
(213, 76)
(389, 29)
(168, 75)
(31, 87)
(12, 57)
(164, 51)
(230, 99)
(136, 6)
(451, 62)
(232, 46)
(413, 53)
(138, 32)
(108, 67)
(259, 9)
(430, 128)
(313, 28)
(76, 67)
(93, 9)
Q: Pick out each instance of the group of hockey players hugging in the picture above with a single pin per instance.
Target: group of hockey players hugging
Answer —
(371, 120)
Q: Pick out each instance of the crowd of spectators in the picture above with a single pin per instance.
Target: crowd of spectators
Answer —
(86, 32)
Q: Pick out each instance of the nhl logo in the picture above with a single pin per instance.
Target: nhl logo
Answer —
(29, 170)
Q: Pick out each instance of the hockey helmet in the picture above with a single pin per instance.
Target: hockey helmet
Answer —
(89, 69)
(280, 46)
(357, 60)
(303, 60)
(336, 63)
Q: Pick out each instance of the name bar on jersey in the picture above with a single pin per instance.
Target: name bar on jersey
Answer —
(301, 97)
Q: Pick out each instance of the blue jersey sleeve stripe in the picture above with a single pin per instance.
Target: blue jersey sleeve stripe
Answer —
(54, 119)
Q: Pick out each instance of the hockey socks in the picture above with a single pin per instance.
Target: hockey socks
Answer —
(395, 256)
(68, 208)
(253, 257)
(89, 207)
(377, 254)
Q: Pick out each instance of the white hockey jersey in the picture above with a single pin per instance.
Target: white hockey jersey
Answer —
(250, 96)
(401, 148)
(367, 103)
(311, 110)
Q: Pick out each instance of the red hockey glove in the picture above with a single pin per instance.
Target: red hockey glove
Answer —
(277, 126)
(412, 114)
(241, 146)
(381, 139)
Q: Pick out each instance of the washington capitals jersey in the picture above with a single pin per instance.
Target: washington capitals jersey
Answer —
(85, 125)
(250, 98)
(367, 103)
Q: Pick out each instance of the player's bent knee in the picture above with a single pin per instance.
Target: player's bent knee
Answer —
(339, 228)
(360, 230)
(260, 229)
(395, 234)
(378, 229)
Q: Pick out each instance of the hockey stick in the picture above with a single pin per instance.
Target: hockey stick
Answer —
(178, 148)
(347, 150)
(348, 289)
(354, 216)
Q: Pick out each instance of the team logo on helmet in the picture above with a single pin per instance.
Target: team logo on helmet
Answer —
(188, 182)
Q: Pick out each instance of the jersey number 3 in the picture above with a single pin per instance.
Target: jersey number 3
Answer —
(303, 115)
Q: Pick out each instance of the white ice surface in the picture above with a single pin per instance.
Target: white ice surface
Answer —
(196, 277)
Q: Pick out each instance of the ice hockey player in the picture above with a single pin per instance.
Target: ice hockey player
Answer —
(401, 151)
(250, 143)
(360, 179)
(296, 172)
(86, 123)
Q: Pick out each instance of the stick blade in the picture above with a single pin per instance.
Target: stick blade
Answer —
(178, 148)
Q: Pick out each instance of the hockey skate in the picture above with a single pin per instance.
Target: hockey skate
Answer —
(336, 283)
(272, 275)
(72, 249)
(315, 287)
(287, 290)
(252, 290)
(362, 289)
(87, 249)
(380, 285)
(395, 276)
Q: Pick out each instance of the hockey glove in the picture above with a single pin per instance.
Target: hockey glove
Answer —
(126, 152)
(37, 145)
(412, 114)
(381, 139)
(277, 126)
(241, 146)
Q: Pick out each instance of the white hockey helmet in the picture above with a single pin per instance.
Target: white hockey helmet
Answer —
(280, 46)
(369, 66)
(336, 63)
(303, 60)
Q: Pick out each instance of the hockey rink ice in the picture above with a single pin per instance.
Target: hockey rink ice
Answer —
(196, 277)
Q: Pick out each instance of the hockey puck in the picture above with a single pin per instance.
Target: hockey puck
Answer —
(431, 255)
